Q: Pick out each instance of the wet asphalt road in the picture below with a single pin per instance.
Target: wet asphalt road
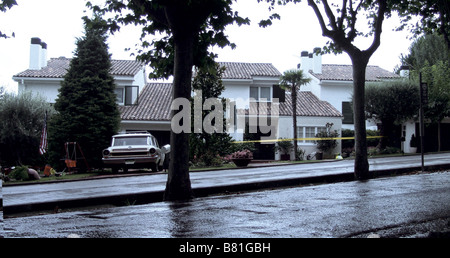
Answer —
(151, 187)
(409, 205)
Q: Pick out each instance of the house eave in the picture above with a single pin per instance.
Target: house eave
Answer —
(157, 122)
(39, 79)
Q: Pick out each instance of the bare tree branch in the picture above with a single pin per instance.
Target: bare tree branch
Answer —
(378, 24)
(344, 13)
(330, 15)
(325, 31)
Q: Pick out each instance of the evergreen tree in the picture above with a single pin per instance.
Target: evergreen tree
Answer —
(88, 113)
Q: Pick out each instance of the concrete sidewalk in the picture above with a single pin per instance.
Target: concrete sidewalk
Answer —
(150, 188)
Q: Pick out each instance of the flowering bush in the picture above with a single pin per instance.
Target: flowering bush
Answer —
(243, 154)
(206, 160)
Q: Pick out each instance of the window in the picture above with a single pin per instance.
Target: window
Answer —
(127, 141)
(119, 95)
(259, 93)
(254, 94)
(310, 132)
(265, 93)
(305, 133)
(131, 95)
(347, 111)
(127, 95)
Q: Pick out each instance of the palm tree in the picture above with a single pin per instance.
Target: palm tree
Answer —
(291, 81)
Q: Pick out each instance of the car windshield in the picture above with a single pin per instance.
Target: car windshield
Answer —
(127, 141)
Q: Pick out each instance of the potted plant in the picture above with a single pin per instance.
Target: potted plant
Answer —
(413, 144)
(285, 148)
(242, 158)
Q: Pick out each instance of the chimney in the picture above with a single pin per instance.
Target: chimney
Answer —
(404, 71)
(43, 54)
(306, 63)
(317, 60)
(35, 54)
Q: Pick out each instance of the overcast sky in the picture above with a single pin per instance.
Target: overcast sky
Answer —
(58, 23)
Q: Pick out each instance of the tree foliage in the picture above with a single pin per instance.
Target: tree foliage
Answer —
(391, 103)
(437, 77)
(184, 31)
(21, 123)
(4, 6)
(430, 57)
(161, 20)
(434, 16)
(427, 50)
(86, 104)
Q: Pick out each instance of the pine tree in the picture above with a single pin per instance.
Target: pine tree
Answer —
(88, 113)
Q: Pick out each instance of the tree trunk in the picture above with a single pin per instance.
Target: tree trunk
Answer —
(359, 78)
(178, 185)
(439, 135)
(294, 119)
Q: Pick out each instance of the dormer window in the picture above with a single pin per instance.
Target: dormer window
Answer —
(261, 94)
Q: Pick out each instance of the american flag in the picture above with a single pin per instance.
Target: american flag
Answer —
(43, 144)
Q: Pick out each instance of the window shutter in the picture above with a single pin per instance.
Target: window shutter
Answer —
(279, 93)
(347, 111)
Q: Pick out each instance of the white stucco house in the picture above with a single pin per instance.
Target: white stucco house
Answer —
(247, 86)
(45, 76)
(146, 106)
(334, 83)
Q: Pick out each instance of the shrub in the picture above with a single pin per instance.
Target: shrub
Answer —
(373, 142)
(21, 123)
(244, 154)
(207, 160)
(243, 146)
(300, 154)
(326, 145)
(348, 144)
(20, 173)
(284, 146)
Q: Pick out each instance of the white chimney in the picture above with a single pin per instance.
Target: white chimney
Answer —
(404, 71)
(317, 60)
(43, 54)
(306, 63)
(35, 54)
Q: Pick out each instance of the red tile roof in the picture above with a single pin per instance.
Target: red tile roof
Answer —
(154, 104)
(156, 98)
(57, 68)
(345, 73)
(238, 70)
(308, 105)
